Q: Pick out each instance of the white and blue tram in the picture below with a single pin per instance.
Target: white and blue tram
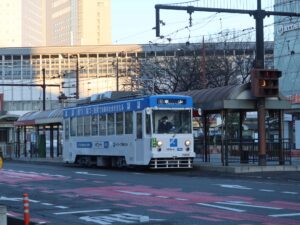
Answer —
(128, 132)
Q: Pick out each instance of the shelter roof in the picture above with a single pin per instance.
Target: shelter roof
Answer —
(234, 97)
(41, 117)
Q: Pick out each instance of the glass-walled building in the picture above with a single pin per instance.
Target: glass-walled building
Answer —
(287, 49)
(79, 72)
(76, 72)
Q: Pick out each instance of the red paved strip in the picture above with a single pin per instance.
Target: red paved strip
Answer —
(15, 177)
(287, 205)
(125, 205)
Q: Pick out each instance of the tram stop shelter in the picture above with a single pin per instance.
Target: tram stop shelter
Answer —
(235, 138)
(39, 134)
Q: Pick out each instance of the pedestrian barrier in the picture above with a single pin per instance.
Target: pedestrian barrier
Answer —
(26, 209)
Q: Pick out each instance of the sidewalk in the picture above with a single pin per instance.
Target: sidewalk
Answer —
(216, 165)
(213, 166)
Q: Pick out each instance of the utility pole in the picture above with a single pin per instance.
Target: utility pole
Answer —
(117, 74)
(77, 77)
(259, 16)
(44, 89)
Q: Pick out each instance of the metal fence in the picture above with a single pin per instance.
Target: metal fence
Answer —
(244, 151)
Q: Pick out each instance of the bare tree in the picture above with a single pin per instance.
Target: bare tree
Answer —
(190, 68)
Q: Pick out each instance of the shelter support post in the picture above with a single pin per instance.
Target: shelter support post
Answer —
(225, 137)
(205, 141)
(58, 142)
(51, 142)
(281, 135)
(24, 140)
(18, 145)
(261, 112)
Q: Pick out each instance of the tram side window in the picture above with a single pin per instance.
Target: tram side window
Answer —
(139, 126)
(80, 126)
(95, 125)
(67, 129)
(87, 126)
(128, 123)
(102, 125)
(119, 123)
(111, 124)
(73, 126)
(148, 124)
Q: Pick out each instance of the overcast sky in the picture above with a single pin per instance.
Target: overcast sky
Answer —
(133, 20)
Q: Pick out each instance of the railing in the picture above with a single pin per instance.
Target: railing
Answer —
(246, 151)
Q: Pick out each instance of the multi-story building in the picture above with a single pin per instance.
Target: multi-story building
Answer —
(27, 23)
(78, 22)
(287, 49)
(287, 57)
(22, 23)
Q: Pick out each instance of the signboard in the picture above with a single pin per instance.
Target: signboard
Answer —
(288, 27)
(297, 133)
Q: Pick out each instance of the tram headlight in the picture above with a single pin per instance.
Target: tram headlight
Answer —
(187, 143)
(159, 143)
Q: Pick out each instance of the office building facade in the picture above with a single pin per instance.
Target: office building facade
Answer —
(29, 23)
(78, 22)
(22, 23)
(287, 49)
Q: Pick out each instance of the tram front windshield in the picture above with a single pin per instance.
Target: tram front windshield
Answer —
(170, 121)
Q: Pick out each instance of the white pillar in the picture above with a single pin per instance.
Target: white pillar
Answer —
(3, 216)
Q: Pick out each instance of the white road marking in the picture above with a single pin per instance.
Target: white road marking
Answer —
(127, 218)
(235, 186)
(2, 198)
(34, 201)
(266, 190)
(221, 207)
(159, 196)
(57, 175)
(181, 199)
(285, 215)
(84, 211)
(246, 204)
(135, 193)
(61, 207)
(289, 192)
(45, 203)
(91, 174)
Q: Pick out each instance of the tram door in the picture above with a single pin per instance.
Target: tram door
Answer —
(139, 148)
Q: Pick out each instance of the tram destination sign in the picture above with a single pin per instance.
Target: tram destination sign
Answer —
(172, 101)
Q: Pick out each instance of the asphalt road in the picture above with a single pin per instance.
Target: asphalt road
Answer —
(65, 195)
